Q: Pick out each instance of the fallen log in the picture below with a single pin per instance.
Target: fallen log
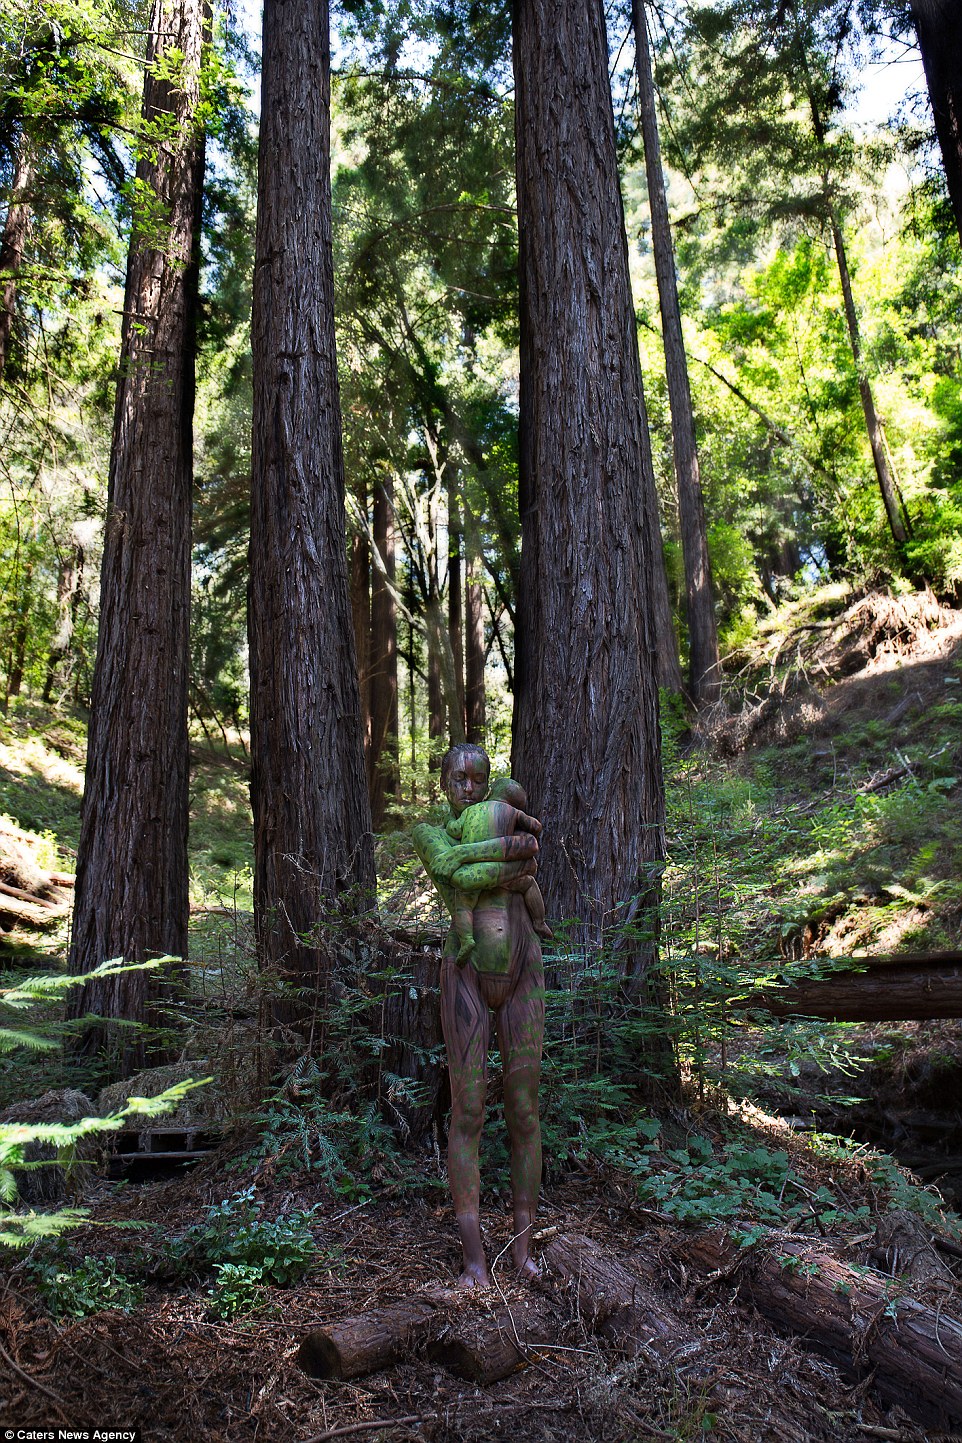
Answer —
(627, 1312)
(908, 988)
(856, 1318)
(368, 1342)
(33, 914)
(461, 1330)
(485, 1347)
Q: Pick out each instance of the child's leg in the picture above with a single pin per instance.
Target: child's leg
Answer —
(464, 905)
(534, 902)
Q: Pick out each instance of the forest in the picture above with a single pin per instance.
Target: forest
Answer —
(399, 397)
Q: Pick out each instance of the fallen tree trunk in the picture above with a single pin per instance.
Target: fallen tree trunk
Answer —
(908, 988)
(857, 1319)
(36, 915)
(485, 1347)
(627, 1312)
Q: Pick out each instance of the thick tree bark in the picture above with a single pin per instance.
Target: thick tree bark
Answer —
(15, 228)
(131, 895)
(474, 693)
(313, 853)
(938, 25)
(586, 741)
(704, 661)
(436, 745)
(383, 775)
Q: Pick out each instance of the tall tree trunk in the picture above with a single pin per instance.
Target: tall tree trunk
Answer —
(455, 604)
(361, 617)
(586, 741)
(705, 664)
(383, 776)
(131, 893)
(15, 228)
(435, 708)
(898, 519)
(474, 695)
(69, 583)
(938, 25)
(313, 852)
(18, 642)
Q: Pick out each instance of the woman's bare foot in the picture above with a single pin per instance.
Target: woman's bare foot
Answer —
(529, 1271)
(474, 1276)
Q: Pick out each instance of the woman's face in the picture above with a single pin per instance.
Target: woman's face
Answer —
(467, 782)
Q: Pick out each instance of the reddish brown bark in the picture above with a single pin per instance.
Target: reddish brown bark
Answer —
(313, 853)
(586, 743)
(15, 228)
(131, 894)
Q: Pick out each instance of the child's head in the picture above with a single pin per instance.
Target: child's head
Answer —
(506, 789)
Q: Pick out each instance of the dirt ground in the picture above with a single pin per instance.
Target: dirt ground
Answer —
(179, 1376)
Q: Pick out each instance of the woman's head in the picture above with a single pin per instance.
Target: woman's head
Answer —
(465, 770)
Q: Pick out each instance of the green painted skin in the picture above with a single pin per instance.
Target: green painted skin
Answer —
(483, 866)
(505, 977)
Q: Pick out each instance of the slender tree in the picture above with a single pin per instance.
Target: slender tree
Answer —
(704, 662)
(383, 775)
(313, 853)
(586, 742)
(131, 892)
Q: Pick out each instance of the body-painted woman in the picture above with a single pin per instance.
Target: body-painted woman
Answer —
(502, 974)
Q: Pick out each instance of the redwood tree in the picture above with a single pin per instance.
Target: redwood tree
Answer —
(313, 848)
(587, 745)
(938, 25)
(131, 892)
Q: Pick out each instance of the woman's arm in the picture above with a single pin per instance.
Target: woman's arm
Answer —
(519, 848)
(486, 876)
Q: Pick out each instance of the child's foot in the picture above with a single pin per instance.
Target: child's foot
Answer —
(465, 950)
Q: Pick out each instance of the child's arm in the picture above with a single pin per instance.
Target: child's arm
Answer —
(528, 824)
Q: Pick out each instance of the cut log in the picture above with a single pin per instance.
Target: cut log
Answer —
(38, 916)
(459, 1330)
(885, 989)
(356, 1346)
(856, 1318)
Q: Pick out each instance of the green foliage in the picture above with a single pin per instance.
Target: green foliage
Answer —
(246, 1252)
(19, 1229)
(94, 1285)
(234, 1234)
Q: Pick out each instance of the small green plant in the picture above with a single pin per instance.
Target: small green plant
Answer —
(94, 1285)
(238, 1292)
(234, 1235)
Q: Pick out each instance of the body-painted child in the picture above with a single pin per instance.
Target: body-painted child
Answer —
(501, 814)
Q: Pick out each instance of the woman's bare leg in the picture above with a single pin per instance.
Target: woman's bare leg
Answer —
(520, 1038)
(466, 1023)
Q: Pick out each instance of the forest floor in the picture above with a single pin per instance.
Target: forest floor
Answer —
(817, 817)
